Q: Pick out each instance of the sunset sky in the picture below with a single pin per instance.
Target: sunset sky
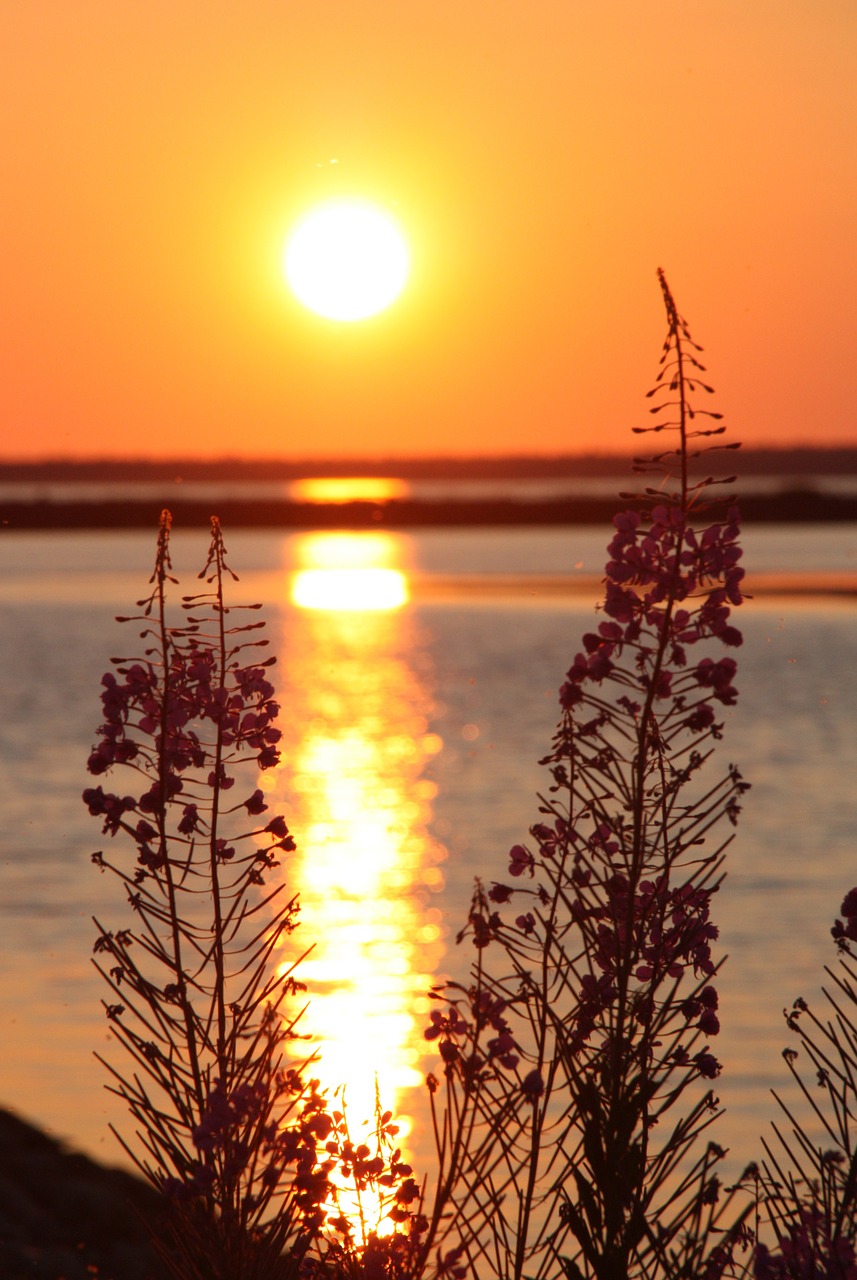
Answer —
(543, 159)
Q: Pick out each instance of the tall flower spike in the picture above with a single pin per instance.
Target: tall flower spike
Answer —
(604, 964)
(230, 1128)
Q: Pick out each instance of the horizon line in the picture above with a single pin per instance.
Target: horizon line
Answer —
(409, 461)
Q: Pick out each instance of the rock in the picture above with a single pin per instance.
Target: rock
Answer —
(64, 1217)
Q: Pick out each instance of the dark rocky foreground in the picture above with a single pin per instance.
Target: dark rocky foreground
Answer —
(64, 1217)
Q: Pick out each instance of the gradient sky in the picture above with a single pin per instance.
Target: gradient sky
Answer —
(544, 160)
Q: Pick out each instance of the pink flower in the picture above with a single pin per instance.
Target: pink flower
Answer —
(663, 685)
(569, 695)
(627, 522)
(849, 904)
(500, 892)
(502, 1049)
(533, 1086)
(256, 804)
(702, 717)
(550, 838)
(520, 860)
(277, 826)
(111, 807)
(268, 757)
(846, 932)
(450, 1023)
(221, 778)
(709, 1023)
(718, 677)
(190, 820)
(707, 1065)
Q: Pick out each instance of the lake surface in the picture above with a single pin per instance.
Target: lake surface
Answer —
(412, 736)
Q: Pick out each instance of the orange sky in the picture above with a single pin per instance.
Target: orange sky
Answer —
(544, 159)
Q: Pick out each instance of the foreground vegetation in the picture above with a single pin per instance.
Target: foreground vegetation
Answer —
(577, 1131)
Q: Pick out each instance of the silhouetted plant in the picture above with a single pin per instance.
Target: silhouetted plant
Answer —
(573, 1101)
(808, 1180)
(571, 1135)
(230, 1126)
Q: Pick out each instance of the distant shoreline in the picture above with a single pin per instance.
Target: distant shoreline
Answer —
(781, 461)
(799, 506)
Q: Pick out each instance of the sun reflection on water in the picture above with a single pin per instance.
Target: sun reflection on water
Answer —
(348, 572)
(356, 698)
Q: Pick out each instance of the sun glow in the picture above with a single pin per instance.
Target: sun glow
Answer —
(346, 260)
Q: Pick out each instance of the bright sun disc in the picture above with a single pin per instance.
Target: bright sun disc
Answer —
(346, 260)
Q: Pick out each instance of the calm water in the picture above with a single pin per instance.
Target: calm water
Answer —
(412, 735)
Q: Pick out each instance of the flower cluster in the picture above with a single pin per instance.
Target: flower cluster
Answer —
(182, 725)
(461, 1030)
(845, 930)
(667, 588)
(808, 1251)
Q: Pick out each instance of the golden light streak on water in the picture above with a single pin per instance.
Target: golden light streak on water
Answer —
(356, 707)
(355, 590)
(347, 572)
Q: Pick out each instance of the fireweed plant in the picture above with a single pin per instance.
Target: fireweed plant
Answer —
(230, 1124)
(578, 1063)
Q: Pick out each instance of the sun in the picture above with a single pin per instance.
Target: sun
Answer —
(346, 260)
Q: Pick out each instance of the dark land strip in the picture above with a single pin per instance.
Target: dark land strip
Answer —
(788, 462)
(792, 507)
